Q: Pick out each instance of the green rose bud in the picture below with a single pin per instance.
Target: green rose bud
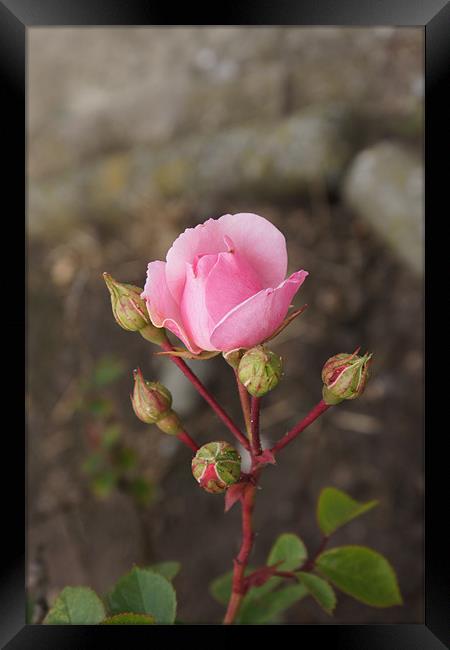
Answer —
(151, 400)
(344, 377)
(260, 370)
(216, 466)
(170, 424)
(130, 310)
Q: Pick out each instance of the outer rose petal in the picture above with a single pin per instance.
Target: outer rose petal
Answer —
(258, 240)
(255, 319)
(197, 321)
(162, 308)
(206, 238)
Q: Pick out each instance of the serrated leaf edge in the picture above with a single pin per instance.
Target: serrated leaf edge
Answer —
(74, 587)
(361, 600)
(135, 566)
(115, 616)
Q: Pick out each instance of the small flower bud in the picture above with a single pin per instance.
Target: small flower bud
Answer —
(344, 377)
(151, 400)
(260, 370)
(216, 466)
(130, 310)
(170, 424)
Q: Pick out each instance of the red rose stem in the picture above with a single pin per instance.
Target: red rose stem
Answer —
(245, 403)
(195, 381)
(320, 408)
(254, 420)
(247, 501)
(240, 563)
(187, 440)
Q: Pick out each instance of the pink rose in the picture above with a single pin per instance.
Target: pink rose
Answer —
(223, 285)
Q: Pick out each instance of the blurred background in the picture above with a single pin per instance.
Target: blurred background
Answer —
(135, 134)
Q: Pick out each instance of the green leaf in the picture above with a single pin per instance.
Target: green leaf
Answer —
(320, 590)
(76, 606)
(258, 605)
(108, 370)
(287, 549)
(263, 604)
(144, 592)
(168, 570)
(220, 588)
(362, 573)
(335, 508)
(129, 618)
(268, 607)
(290, 549)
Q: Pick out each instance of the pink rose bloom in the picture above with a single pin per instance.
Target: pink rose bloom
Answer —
(223, 285)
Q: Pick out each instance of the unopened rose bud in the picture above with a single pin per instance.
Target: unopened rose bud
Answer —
(260, 370)
(151, 400)
(130, 310)
(170, 424)
(344, 377)
(216, 466)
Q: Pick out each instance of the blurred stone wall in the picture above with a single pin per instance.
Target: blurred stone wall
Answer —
(117, 116)
(94, 89)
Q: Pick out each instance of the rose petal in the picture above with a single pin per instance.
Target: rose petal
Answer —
(206, 238)
(162, 308)
(258, 240)
(196, 319)
(231, 281)
(255, 319)
(262, 244)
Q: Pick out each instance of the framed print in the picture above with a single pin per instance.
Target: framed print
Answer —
(248, 193)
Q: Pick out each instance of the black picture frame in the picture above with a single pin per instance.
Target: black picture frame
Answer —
(434, 16)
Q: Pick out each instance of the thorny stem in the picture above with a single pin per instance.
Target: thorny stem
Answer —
(204, 392)
(240, 562)
(186, 438)
(320, 408)
(245, 403)
(239, 585)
